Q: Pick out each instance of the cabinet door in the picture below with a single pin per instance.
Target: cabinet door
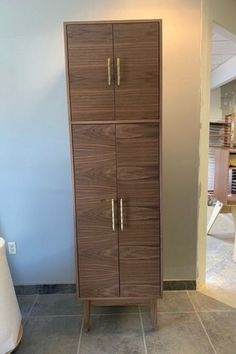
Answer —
(91, 91)
(95, 187)
(138, 179)
(137, 57)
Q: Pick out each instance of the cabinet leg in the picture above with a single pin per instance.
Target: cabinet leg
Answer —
(153, 313)
(86, 315)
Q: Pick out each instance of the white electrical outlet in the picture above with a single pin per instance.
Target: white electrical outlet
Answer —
(12, 247)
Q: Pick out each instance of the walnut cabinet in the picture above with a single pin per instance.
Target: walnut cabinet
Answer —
(114, 101)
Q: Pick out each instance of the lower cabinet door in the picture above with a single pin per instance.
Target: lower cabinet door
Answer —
(94, 162)
(138, 179)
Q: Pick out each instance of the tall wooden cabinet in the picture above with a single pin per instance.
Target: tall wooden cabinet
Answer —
(114, 100)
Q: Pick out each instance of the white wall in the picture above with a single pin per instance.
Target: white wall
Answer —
(215, 105)
(224, 73)
(228, 97)
(35, 185)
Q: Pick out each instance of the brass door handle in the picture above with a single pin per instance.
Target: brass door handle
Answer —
(109, 71)
(121, 215)
(113, 214)
(118, 71)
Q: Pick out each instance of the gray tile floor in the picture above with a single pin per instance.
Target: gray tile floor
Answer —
(220, 267)
(189, 323)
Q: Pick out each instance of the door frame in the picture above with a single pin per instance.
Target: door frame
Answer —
(207, 27)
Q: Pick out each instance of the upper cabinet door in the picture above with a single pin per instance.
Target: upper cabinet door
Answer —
(90, 71)
(137, 70)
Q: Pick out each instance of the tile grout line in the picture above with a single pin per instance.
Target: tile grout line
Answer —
(142, 328)
(80, 336)
(200, 320)
(54, 316)
(30, 310)
(171, 312)
(92, 314)
(129, 313)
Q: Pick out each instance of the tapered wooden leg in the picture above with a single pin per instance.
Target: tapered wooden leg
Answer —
(86, 315)
(153, 312)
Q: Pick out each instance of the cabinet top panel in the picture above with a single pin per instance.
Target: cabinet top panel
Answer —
(112, 21)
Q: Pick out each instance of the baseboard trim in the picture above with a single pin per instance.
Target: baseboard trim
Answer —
(179, 285)
(45, 289)
(71, 288)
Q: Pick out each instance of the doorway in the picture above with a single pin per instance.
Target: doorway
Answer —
(220, 257)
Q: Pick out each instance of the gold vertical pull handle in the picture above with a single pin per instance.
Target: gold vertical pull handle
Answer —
(113, 214)
(121, 215)
(118, 71)
(109, 71)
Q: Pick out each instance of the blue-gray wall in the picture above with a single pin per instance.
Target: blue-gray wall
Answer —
(35, 179)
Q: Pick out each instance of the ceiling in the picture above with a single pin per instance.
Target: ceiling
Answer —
(223, 48)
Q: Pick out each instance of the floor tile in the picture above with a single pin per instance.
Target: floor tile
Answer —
(113, 334)
(172, 301)
(25, 302)
(220, 267)
(104, 310)
(57, 304)
(176, 334)
(206, 303)
(221, 327)
(51, 335)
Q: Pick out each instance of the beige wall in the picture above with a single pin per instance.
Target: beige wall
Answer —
(181, 122)
(222, 13)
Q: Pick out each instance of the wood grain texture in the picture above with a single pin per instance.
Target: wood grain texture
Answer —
(138, 46)
(95, 186)
(140, 121)
(71, 154)
(89, 47)
(139, 186)
(113, 155)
